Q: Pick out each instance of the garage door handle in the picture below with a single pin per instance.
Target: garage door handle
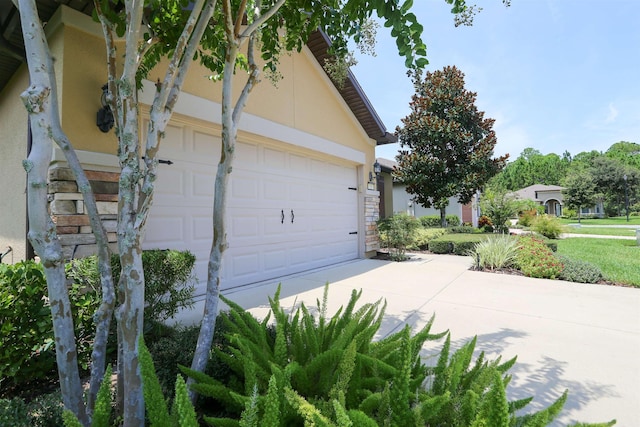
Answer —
(282, 216)
(353, 232)
(292, 216)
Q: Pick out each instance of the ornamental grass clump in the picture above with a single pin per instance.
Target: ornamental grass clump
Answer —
(536, 259)
(497, 252)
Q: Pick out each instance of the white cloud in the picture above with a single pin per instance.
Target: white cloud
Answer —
(613, 113)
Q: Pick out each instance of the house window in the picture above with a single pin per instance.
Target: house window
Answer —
(585, 210)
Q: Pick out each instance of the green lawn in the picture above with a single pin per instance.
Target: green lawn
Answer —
(619, 260)
(620, 220)
(602, 231)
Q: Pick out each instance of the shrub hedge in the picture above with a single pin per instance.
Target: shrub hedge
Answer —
(433, 221)
(579, 271)
(459, 244)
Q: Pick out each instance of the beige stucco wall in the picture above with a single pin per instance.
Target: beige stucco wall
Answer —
(13, 150)
(304, 98)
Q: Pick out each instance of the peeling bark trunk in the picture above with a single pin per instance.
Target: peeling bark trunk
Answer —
(43, 237)
(230, 119)
(219, 244)
(136, 185)
(41, 103)
(104, 314)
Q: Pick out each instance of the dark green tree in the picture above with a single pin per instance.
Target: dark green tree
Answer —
(608, 174)
(446, 143)
(627, 152)
(580, 190)
(533, 167)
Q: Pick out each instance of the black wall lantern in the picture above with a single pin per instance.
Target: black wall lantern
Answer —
(376, 169)
(104, 117)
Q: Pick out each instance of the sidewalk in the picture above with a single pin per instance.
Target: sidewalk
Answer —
(585, 338)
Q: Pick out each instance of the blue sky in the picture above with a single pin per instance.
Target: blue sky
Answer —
(555, 74)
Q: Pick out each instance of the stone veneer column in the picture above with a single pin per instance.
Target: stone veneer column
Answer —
(371, 215)
(66, 207)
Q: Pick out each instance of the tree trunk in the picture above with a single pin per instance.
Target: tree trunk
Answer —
(219, 244)
(443, 217)
(42, 231)
(230, 119)
(130, 313)
(103, 315)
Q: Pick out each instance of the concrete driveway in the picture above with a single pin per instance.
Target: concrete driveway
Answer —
(585, 338)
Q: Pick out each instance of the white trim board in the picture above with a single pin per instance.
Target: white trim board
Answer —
(210, 111)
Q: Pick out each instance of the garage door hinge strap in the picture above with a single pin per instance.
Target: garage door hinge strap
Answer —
(166, 162)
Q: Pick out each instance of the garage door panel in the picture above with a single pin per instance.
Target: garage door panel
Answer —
(202, 185)
(170, 183)
(275, 159)
(165, 230)
(247, 154)
(267, 182)
(244, 226)
(274, 191)
(202, 227)
(207, 147)
(243, 189)
(275, 261)
(244, 264)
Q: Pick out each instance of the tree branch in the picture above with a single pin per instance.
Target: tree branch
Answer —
(257, 23)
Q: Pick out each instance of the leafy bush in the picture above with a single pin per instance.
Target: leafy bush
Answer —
(496, 252)
(398, 233)
(27, 350)
(452, 220)
(535, 259)
(579, 271)
(328, 371)
(430, 221)
(463, 248)
(438, 246)
(433, 221)
(499, 207)
(569, 213)
(42, 411)
(422, 237)
(483, 221)
(168, 275)
(527, 217)
(463, 229)
(26, 341)
(177, 346)
(456, 243)
(548, 226)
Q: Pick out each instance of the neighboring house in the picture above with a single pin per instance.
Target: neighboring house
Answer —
(550, 196)
(395, 199)
(299, 193)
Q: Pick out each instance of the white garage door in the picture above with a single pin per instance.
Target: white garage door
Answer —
(287, 212)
